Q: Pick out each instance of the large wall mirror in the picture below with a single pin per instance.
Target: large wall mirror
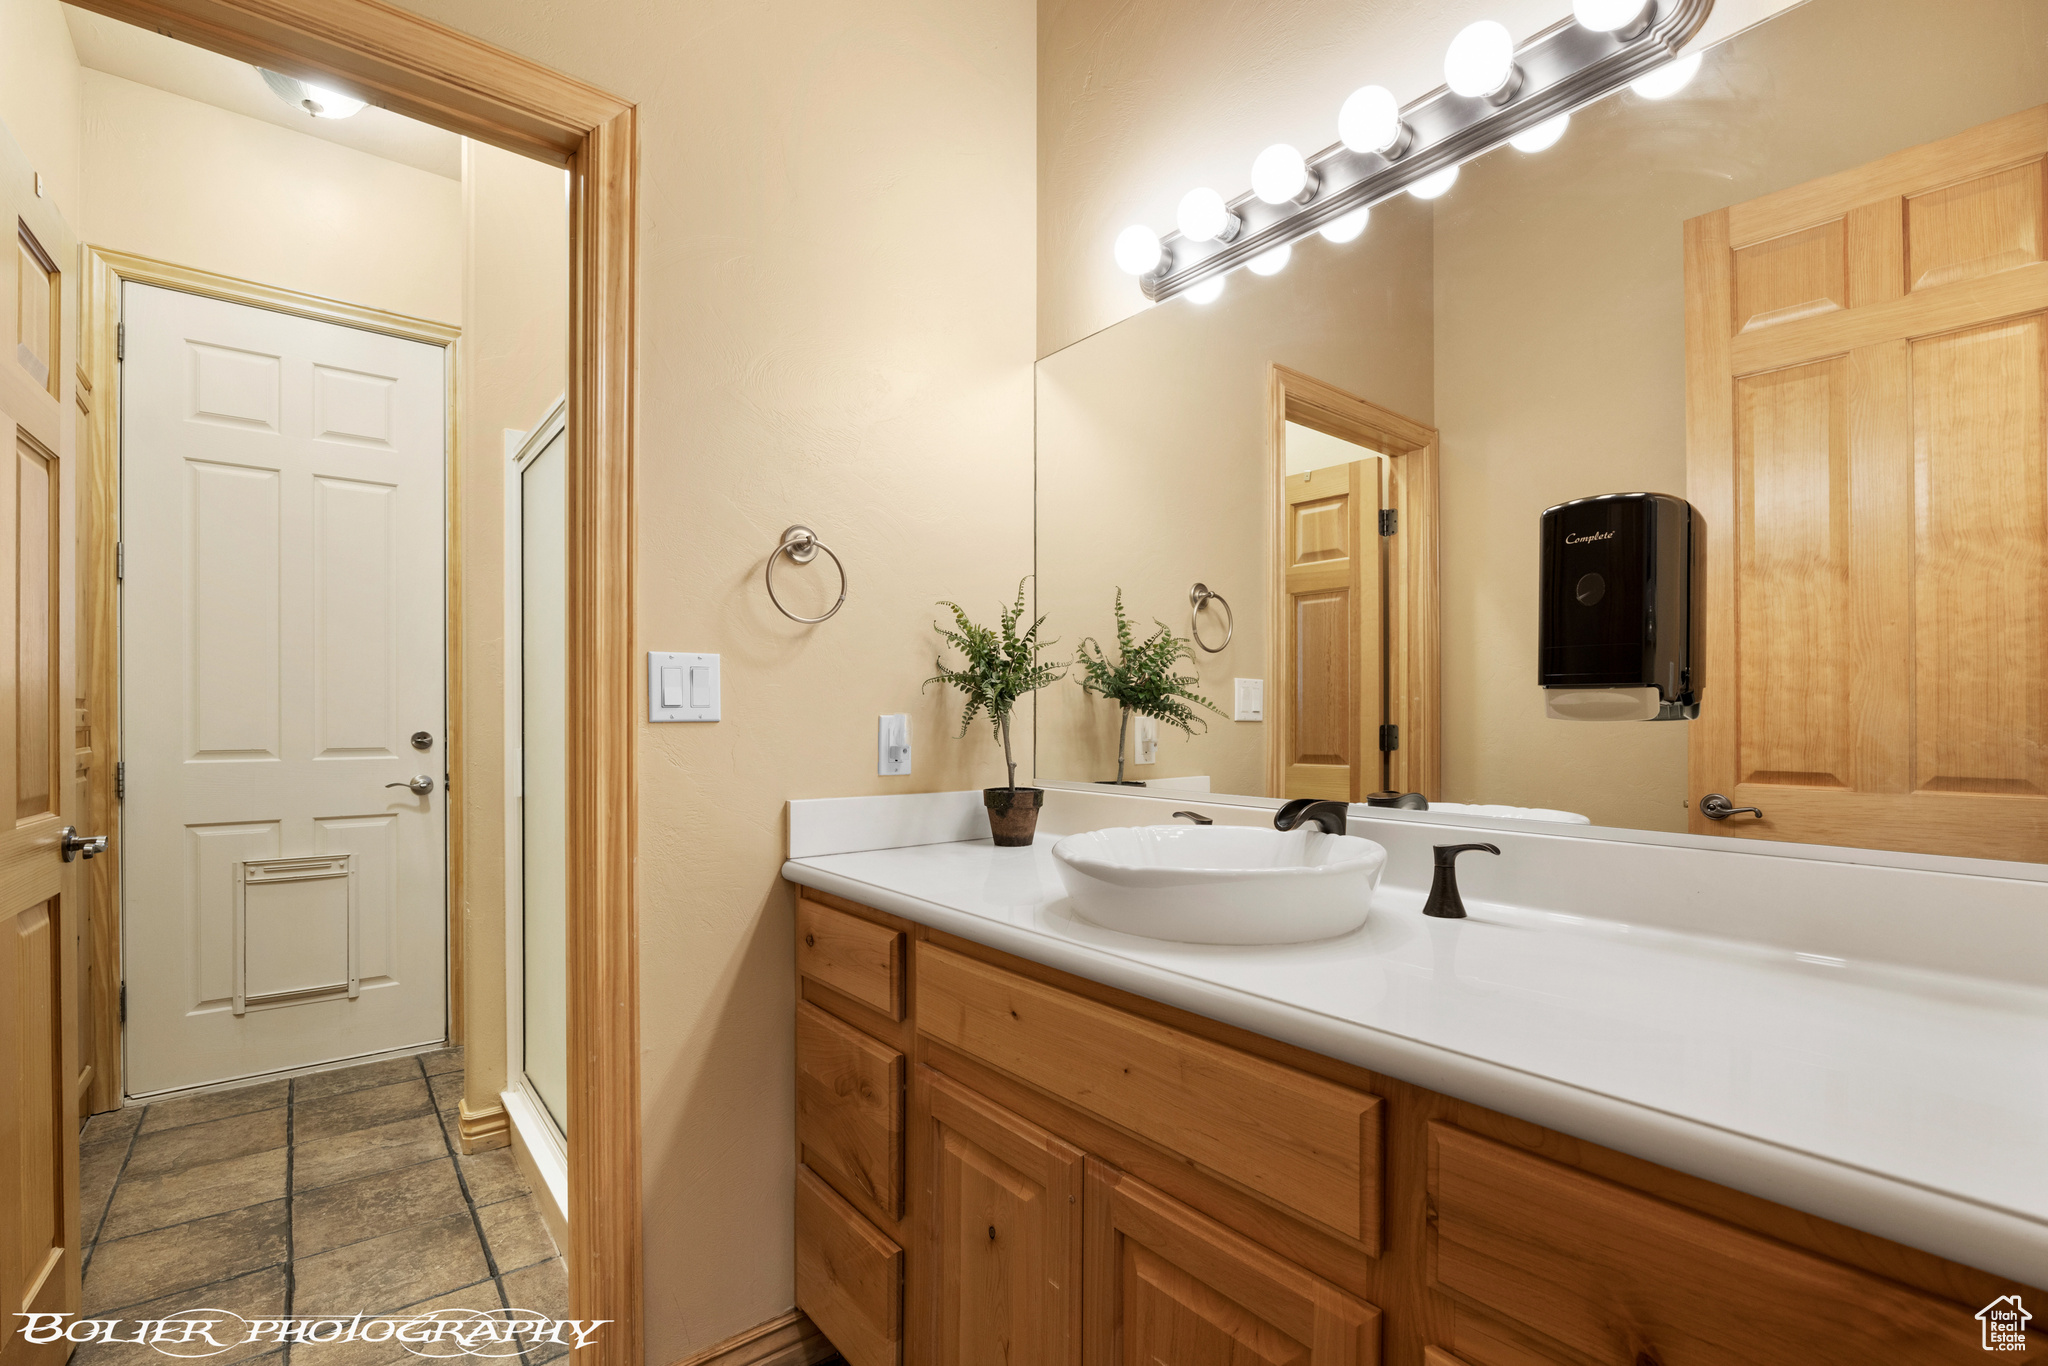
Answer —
(1808, 294)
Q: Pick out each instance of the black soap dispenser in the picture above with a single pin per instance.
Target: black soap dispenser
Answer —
(1620, 618)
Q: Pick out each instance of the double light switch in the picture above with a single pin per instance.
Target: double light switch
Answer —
(681, 687)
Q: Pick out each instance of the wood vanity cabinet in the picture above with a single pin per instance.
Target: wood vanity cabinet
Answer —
(1003, 1165)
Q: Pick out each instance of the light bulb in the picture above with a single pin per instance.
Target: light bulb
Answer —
(1207, 292)
(1370, 121)
(1204, 217)
(1272, 262)
(1280, 176)
(1667, 81)
(1481, 62)
(1432, 186)
(323, 103)
(1608, 16)
(1543, 136)
(1137, 249)
(1347, 228)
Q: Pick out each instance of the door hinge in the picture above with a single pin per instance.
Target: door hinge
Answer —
(120, 780)
(120, 561)
(1390, 521)
(124, 1003)
(120, 341)
(1390, 738)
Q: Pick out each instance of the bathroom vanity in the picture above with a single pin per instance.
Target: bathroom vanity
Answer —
(1017, 1142)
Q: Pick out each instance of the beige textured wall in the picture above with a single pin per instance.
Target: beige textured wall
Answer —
(40, 81)
(515, 364)
(1153, 473)
(1141, 100)
(836, 304)
(1560, 341)
(170, 178)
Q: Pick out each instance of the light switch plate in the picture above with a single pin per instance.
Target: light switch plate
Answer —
(1251, 699)
(1147, 741)
(681, 687)
(892, 746)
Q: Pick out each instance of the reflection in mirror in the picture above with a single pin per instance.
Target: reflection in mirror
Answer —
(1807, 294)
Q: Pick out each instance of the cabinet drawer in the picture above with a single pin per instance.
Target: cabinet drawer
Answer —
(1306, 1145)
(1624, 1277)
(849, 1278)
(858, 957)
(849, 1107)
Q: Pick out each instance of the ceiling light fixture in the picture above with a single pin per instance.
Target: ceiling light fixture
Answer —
(1207, 292)
(318, 100)
(1347, 228)
(1371, 121)
(1667, 81)
(1622, 18)
(1481, 63)
(1204, 217)
(1543, 136)
(1434, 186)
(1280, 176)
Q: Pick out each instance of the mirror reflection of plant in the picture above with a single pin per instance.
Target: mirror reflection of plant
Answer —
(1141, 678)
(1001, 668)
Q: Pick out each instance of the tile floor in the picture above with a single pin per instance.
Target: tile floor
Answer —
(343, 1192)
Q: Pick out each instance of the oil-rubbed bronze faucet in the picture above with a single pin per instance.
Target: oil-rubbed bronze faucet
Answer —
(1331, 816)
(1444, 901)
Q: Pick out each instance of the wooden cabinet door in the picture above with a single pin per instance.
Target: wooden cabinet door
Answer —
(1167, 1285)
(1003, 1225)
(1867, 414)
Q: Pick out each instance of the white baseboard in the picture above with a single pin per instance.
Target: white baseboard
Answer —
(537, 1147)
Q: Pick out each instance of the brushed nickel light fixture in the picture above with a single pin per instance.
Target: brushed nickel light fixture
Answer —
(1495, 92)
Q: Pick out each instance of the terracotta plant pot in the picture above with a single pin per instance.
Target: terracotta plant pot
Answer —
(1013, 813)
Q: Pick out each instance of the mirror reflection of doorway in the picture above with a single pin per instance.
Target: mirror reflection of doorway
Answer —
(542, 722)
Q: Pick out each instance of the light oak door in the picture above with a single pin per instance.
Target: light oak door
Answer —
(1330, 564)
(1004, 1233)
(1867, 388)
(1167, 1285)
(41, 896)
(283, 625)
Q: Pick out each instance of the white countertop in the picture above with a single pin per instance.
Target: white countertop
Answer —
(1910, 1103)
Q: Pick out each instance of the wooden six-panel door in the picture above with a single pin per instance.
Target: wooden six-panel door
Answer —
(1868, 438)
(1004, 1233)
(41, 898)
(1334, 685)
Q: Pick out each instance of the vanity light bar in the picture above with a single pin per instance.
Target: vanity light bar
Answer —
(1564, 67)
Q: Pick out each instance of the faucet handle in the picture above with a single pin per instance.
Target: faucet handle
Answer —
(1444, 902)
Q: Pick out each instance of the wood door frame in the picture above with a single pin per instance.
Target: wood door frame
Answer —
(1413, 630)
(413, 66)
(102, 273)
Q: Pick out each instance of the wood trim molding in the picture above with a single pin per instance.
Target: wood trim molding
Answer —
(427, 71)
(1414, 651)
(482, 1130)
(104, 272)
(789, 1340)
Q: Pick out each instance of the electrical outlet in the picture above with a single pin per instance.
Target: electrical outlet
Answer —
(1147, 741)
(892, 746)
(1251, 699)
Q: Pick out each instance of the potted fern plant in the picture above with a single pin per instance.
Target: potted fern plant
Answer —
(1000, 669)
(1141, 679)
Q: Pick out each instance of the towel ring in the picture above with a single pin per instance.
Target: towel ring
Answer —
(1200, 594)
(802, 545)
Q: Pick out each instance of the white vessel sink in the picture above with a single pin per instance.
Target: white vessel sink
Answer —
(1221, 884)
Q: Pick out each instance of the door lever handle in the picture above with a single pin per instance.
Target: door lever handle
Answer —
(73, 844)
(422, 785)
(1716, 807)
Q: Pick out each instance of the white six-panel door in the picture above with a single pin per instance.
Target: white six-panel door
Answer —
(282, 639)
